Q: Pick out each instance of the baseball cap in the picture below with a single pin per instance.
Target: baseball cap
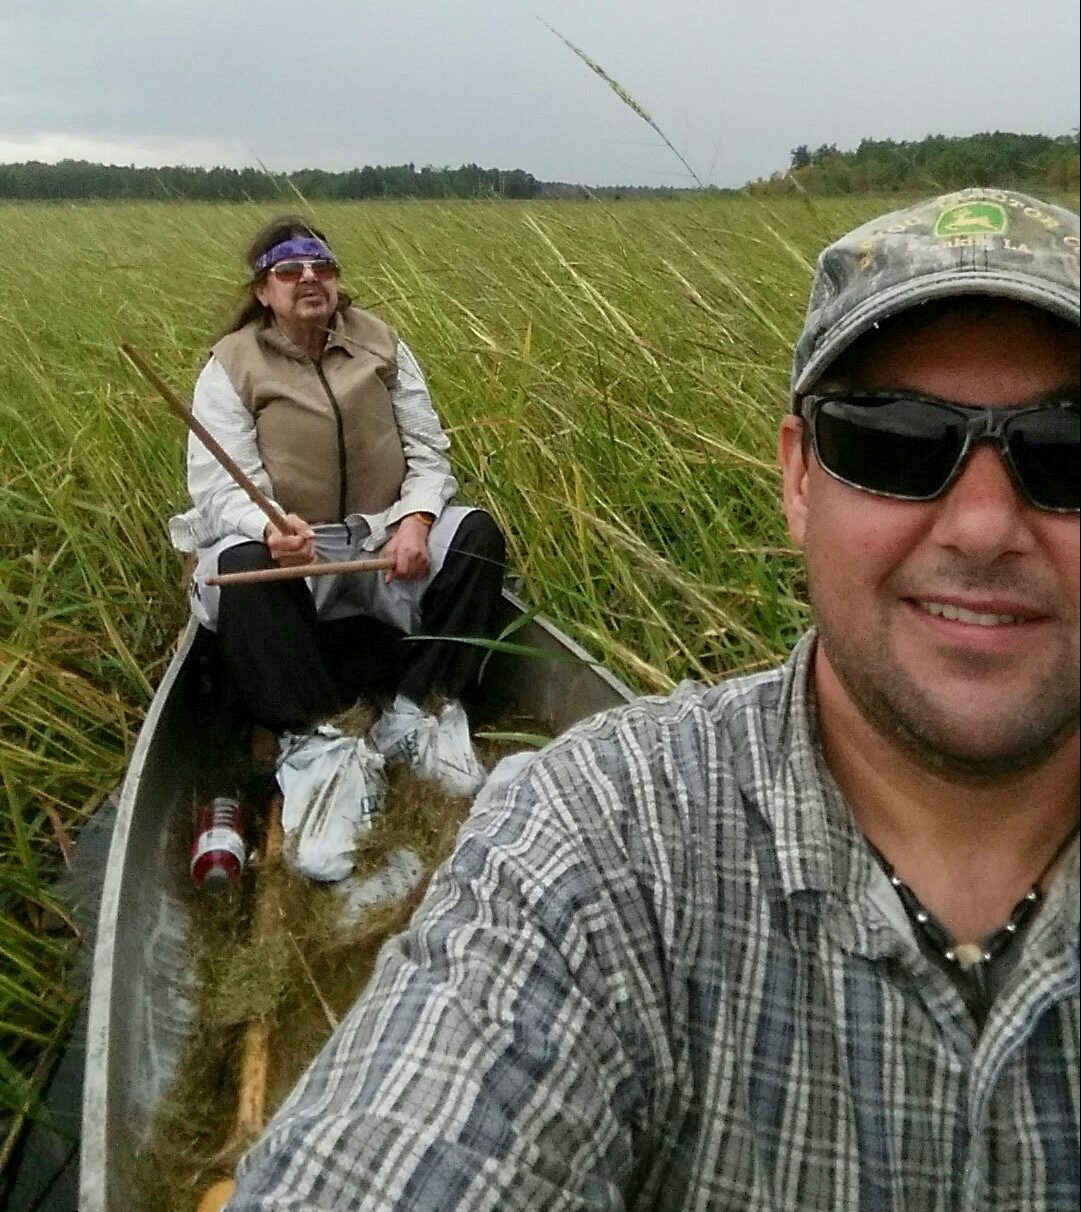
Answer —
(972, 242)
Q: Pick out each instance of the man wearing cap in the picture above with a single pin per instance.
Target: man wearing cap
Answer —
(807, 939)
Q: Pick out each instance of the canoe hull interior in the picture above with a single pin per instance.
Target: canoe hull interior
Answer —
(140, 1005)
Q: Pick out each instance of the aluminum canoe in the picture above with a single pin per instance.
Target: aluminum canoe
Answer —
(140, 1011)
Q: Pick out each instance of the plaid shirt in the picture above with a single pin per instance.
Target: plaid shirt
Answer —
(663, 971)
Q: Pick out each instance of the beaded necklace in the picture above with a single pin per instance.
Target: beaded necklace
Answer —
(967, 955)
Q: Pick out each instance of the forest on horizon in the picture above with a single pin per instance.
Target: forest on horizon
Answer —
(935, 163)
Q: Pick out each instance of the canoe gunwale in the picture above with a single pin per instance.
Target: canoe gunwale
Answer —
(95, 1116)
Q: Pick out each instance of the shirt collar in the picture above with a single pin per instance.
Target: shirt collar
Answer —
(270, 335)
(814, 832)
(820, 849)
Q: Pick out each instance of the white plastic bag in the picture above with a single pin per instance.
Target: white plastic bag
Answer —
(332, 787)
(402, 872)
(436, 747)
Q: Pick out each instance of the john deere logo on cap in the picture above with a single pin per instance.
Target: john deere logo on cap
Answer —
(973, 219)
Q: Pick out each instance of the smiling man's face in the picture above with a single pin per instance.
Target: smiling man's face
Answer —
(952, 625)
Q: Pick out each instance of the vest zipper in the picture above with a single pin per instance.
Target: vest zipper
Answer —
(341, 437)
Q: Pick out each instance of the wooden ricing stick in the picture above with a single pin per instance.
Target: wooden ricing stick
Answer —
(295, 571)
(255, 494)
(255, 1060)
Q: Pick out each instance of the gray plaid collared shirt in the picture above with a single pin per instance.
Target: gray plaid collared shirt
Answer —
(663, 971)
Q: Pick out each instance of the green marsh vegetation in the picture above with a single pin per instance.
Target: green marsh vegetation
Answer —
(611, 374)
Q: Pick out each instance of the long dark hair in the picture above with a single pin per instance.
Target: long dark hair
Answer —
(285, 227)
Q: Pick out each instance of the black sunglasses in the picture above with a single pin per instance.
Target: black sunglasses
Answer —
(912, 447)
(292, 271)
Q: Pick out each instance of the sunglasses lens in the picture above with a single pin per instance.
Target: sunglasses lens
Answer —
(288, 271)
(901, 448)
(1045, 448)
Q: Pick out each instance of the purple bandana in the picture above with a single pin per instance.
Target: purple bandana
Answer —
(301, 246)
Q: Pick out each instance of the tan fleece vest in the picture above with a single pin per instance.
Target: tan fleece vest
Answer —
(326, 457)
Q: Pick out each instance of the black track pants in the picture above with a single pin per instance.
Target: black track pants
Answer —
(289, 670)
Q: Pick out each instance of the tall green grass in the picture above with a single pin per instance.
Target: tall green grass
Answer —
(611, 374)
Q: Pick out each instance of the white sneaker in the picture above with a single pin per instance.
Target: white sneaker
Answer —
(435, 747)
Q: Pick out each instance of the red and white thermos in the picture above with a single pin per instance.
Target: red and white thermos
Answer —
(218, 852)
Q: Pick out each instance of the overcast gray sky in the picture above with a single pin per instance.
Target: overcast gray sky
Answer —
(341, 83)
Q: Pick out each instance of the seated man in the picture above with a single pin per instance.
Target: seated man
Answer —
(808, 939)
(327, 411)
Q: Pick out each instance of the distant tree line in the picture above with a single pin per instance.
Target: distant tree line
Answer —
(586, 193)
(938, 162)
(71, 179)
